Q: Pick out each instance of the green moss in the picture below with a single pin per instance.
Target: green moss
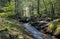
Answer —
(8, 10)
(54, 27)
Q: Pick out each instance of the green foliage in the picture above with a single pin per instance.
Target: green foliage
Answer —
(10, 6)
(8, 10)
(13, 27)
(49, 8)
(3, 24)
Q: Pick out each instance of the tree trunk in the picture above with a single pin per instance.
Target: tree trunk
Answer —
(52, 10)
(38, 8)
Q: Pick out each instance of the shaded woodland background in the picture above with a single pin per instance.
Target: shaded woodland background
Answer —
(12, 12)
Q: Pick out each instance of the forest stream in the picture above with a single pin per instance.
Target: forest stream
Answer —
(36, 29)
(34, 32)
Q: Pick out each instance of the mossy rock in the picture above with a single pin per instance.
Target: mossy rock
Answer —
(57, 31)
(54, 27)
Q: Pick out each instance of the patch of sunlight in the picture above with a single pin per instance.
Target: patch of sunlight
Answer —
(20, 37)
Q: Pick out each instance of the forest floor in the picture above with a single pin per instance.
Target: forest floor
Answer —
(36, 23)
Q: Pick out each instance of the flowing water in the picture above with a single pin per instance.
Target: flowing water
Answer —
(34, 32)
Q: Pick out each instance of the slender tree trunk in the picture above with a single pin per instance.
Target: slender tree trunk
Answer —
(9, 1)
(52, 10)
(16, 9)
(38, 10)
